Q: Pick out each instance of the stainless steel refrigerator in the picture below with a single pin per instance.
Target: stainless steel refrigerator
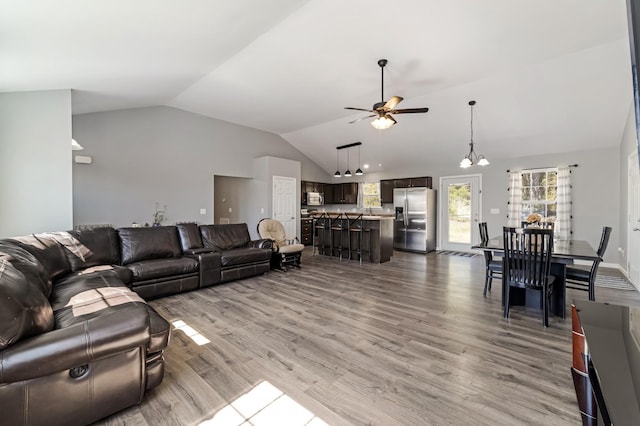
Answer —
(415, 223)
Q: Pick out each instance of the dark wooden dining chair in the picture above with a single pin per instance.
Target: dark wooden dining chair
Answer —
(493, 266)
(585, 279)
(527, 263)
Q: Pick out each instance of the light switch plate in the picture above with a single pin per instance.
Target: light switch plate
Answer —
(203, 211)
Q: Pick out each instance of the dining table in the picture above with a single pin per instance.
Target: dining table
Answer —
(565, 252)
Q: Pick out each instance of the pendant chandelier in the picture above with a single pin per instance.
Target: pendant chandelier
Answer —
(347, 173)
(472, 158)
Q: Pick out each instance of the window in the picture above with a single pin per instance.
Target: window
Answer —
(371, 195)
(539, 193)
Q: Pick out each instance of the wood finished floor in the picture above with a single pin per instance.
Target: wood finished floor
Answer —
(409, 342)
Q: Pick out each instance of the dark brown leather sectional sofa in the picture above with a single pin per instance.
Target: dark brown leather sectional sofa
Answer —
(78, 342)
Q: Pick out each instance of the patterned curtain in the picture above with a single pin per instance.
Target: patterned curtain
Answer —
(563, 200)
(514, 210)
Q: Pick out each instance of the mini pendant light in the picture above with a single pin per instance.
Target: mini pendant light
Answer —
(337, 173)
(348, 172)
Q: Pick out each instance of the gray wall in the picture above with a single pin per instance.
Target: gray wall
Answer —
(596, 190)
(165, 155)
(35, 162)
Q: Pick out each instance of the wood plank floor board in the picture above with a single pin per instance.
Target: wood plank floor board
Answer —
(408, 342)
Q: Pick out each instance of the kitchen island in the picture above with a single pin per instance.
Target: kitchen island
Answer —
(331, 236)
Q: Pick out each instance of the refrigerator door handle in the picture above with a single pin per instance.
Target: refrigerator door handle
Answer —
(406, 212)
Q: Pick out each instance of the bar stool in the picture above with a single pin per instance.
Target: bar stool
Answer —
(337, 226)
(320, 227)
(356, 226)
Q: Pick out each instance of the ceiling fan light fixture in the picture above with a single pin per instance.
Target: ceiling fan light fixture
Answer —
(382, 123)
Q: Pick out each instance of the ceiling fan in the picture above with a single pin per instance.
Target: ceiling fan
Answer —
(384, 110)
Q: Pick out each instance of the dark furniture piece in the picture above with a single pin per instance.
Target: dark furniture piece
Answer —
(612, 333)
(585, 279)
(341, 193)
(77, 340)
(580, 373)
(286, 251)
(356, 228)
(493, 266)
(336, 236)
(388, 185)
(321, 224)
(240, 257)
(306, 231)
(565, 252)
(527, 264)
(76, 343)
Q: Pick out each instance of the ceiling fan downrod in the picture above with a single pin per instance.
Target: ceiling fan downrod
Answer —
(382, 63)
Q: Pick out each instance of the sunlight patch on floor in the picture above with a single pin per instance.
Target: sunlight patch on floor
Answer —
(190, 332)
(264, 405)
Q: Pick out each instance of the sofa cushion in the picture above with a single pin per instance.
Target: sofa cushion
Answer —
(92, 247)
(225, 237)
(189, 236)
(24, 310)
(242, 256)
(138, 244)
(25, 262)
(161, 268)
(49, 252)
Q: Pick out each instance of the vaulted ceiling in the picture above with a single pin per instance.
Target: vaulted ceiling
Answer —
(548, 76)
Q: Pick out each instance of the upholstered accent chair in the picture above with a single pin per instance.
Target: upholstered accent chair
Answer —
(286, 251)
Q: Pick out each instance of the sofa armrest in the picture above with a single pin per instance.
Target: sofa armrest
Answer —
(70, 347)
(197, 251)
(209, 265)
(262, 243)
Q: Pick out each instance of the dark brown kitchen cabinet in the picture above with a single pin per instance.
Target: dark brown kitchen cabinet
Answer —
(387, 186)
(386, 190)
(308, 186)
(306, 232)
(341, 193)
(350, 193)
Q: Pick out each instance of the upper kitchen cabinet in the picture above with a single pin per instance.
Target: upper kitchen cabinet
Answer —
(341, 193)
(387, 186)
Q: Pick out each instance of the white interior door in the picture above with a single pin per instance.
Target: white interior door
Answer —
(285, 203)
(459, 212)
(633, 220)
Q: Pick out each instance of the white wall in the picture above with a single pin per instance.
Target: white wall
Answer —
(165, 155)
(627, 146)
(35, 162)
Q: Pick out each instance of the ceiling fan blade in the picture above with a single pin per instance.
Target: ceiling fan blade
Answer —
(362, 118)
(391, 103)
(390, 118)
(409, 111)
(359, 109)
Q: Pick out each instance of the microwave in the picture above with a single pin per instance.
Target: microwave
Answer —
(314, 198)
